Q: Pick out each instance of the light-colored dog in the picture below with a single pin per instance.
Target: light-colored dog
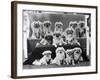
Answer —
(47, 27)
(73, 24)
(60, 56)
(58, 27)
(35, 26)
(81, 26)
(45, 60)
(70, 36)
(57, 35)
(77, 55)
(57, 39)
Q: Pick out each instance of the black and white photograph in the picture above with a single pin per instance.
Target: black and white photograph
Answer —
(56, 39)
(53, 39)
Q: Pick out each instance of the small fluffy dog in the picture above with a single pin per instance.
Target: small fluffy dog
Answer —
(45, 60)
(73, 56)
(60, 56)
(48, 40)
(47, 27)
(58, 27)
(57, 39)
(82, 28)
(70, 36)
(77, 55)
(69, 57)
(73, 24)
(35, 26)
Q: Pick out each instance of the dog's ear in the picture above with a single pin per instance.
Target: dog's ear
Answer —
(77, 49)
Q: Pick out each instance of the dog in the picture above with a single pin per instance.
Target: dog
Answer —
(48, 40)
(58, 27)
(60, 56)
(73, 24)
(82, 29)
(47, 27)
(69, 57)
(70, 36)
(35, 26)
(77, 55)
(57, 39)
(45, 60)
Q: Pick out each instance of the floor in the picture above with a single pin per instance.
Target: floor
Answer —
(54, 66)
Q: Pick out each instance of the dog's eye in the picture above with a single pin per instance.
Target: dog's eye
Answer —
(60, 52)
(69, 53)
(81, 25)
(71, 24)
(77, 51)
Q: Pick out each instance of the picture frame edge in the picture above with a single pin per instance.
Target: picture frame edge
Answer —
(14, 38)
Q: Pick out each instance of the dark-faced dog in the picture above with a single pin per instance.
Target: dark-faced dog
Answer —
(58, 27)
(57, 39)
(73, 56)
(47, 27)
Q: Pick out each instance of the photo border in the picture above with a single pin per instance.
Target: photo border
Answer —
(14, 37)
